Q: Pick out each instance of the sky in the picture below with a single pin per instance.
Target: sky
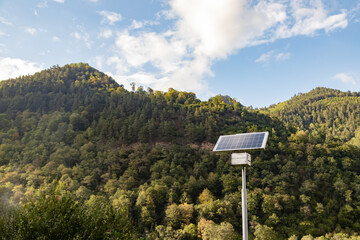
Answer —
(260, 52)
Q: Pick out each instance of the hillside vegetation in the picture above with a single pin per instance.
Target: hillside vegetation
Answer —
(324, 112)
(82, 157)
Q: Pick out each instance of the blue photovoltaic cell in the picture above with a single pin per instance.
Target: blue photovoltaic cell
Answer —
(241, 141)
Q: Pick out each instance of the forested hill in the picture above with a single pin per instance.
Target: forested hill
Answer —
(82, 157)
(93, 101)
(324, 112)
(57, 89)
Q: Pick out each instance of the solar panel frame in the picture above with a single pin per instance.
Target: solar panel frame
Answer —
(247, 141)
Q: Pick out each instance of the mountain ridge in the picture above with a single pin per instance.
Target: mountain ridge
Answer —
(96, 78)
(333, 112)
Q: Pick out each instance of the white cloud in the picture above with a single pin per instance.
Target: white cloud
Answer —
(119, 63)
(310, 17)
(82, 36)
(4, 21)
(353, 13)
(34, 31)
(272, 55)
(282, 56)
(76, 35)
(164, 52)
(346, 78)
(265, 57)
(136, 24)
(219, 28)
(106, 33)
(14, 67)
(140, 24)
(42, 4)
(110, 17)
(31, 30)
(205, 31)
(55, 39)
(93, 1)
(59, 1)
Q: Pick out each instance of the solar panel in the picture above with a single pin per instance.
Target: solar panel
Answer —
(242, 141)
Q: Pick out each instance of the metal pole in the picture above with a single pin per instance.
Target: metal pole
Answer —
(244, 205)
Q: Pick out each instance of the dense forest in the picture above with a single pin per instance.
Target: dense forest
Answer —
(81, 157)
(322, 111)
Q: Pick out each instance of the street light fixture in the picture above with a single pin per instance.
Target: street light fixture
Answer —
(240, 142)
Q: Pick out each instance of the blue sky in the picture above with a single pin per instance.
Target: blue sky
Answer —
(260, 52)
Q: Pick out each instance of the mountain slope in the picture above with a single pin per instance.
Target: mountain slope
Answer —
(148, 152)
(322, 111)
(67, 88)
